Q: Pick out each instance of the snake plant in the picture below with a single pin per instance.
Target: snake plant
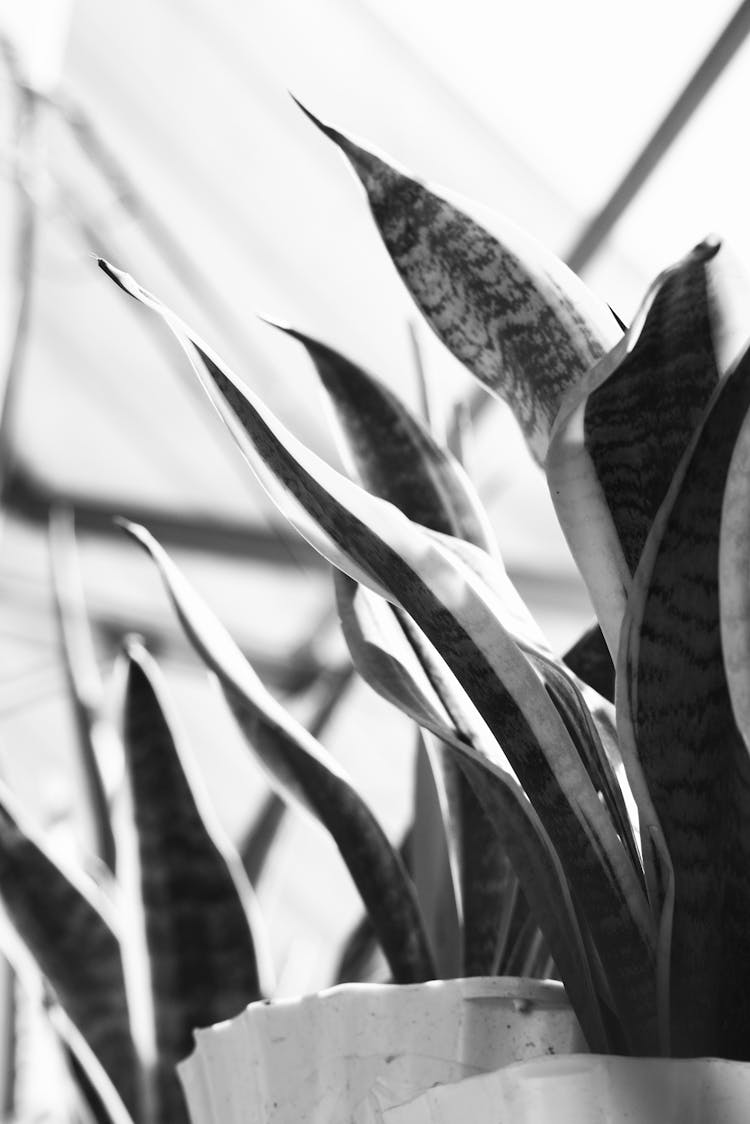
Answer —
(626, 825)
(594, 807)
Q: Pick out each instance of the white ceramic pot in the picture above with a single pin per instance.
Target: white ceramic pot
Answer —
(347, 1055)
(590, 1090)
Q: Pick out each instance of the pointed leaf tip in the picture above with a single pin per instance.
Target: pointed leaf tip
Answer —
(327, 130)
(279, 325)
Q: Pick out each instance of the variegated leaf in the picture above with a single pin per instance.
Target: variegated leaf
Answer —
(675, 712)
(459, 616)
(69, 929)
(620, 435)
(197, 903)
(510, 311)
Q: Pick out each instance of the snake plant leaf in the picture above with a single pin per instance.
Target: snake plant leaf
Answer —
(204, 961)
(258, 841)
(580, 723)
(518, 319)
(434, 852)
(393, 454)
(386, 660)
(488, 885)
(83, 678)
(590, 660)
(676, 709)
(304, 772)
(457, 614)
(404, 674)
(94, 1083)
(621, 433)
(67, 925)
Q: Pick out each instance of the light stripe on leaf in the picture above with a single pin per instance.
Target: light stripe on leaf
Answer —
(304, 772)
(676, 712)
(196, 900)
(518, 319)
(68, 927)
(620, 435)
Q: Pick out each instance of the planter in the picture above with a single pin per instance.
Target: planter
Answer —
(353, 1052)
(590, 1089)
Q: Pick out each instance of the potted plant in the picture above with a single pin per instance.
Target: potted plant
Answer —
(627, 830)
(604, 839)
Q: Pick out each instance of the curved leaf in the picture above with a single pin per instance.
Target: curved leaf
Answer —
(303, 771)
(203, 964)
(510, 311)
(459, 615)
(66, 924)
(621, 434)
(676, 710)
(392, 454)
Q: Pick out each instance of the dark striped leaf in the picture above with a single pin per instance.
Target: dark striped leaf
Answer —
(203, 963)
(304, 772)
(94, 1083)
(371, 538)
(393, 454)
(676, 710)
(67, 925)
(620, 436)
(488, 886)
(395, 457)
(518, 319)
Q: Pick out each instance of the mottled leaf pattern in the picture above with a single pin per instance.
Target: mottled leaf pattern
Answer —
(457, 615)
(510, 311)
(676, 708)
(65, 925)
(620, 436)
(303, 771)
(196, 900)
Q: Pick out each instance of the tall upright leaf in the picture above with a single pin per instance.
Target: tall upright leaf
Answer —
(69, 928)
(676, 710)
(621, 434)
(196, 900)
(509, 310)
(460, 616)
